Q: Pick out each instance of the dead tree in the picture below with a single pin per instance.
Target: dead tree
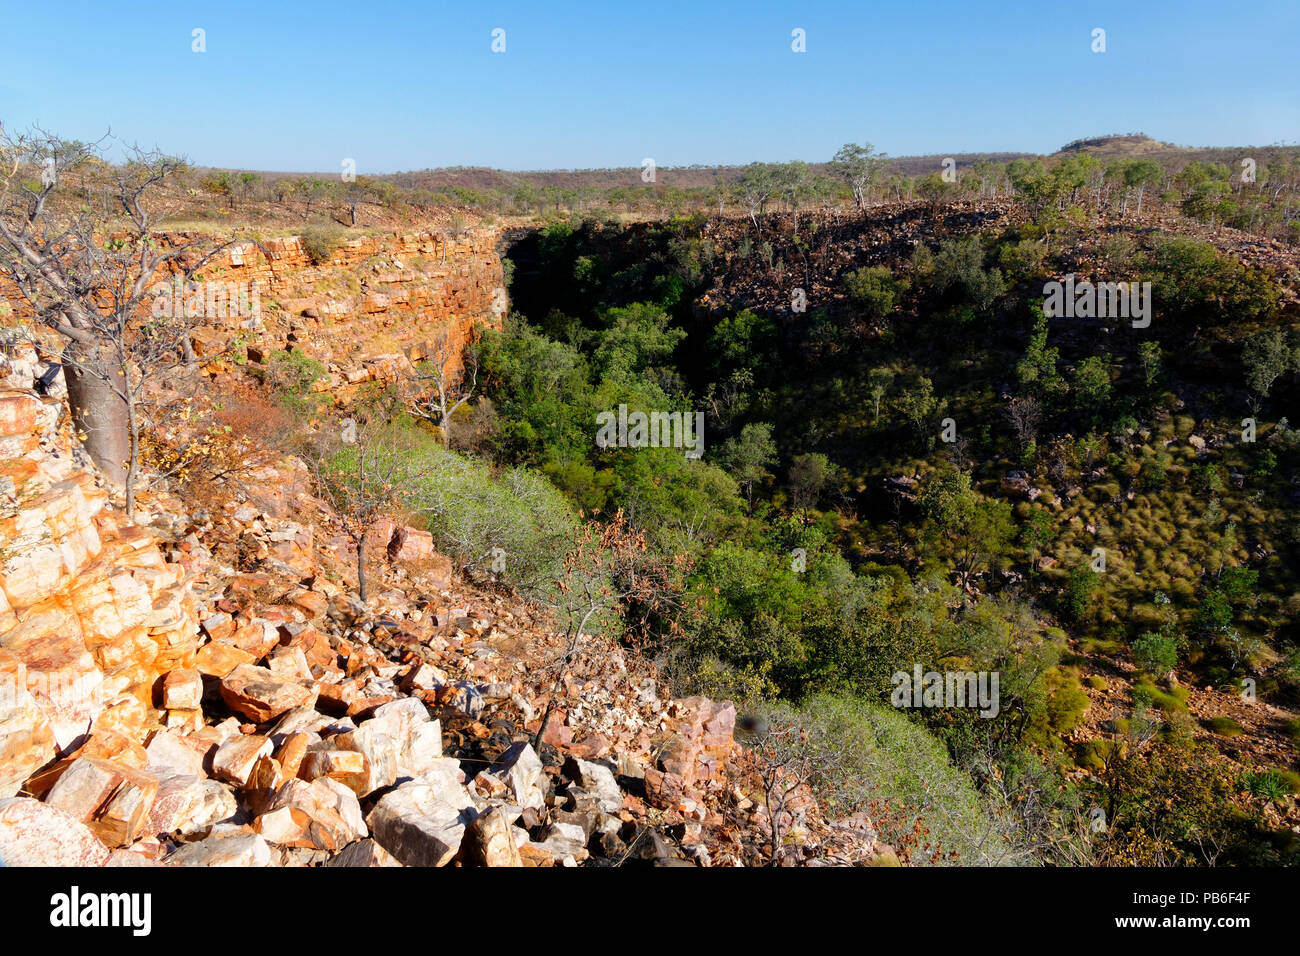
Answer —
(438, 388)
(364, 471)
(1025, 415)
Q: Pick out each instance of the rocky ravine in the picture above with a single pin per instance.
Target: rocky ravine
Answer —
(158, 706)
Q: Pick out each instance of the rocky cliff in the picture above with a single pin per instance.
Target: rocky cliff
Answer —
(371, 300)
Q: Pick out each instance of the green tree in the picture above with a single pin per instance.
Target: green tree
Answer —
(859, 167)
(809, 476)
(878, 382)
(1149, 359)
(1091, 385)
(918, 406)
(967, 530)
(1140, 174)
(1157, 654)
(874, 290)
(748, 456)
(1037, 371)
(1267, 355)
(1036, 533)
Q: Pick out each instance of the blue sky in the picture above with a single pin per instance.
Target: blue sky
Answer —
(407, 85)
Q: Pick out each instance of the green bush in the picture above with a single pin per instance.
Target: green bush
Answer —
(1080, 587)
(320, 243)
(292, 373)
(1155, 653)
(867, 755)
(515, 520)
(1270, 784)
(1093, 755)
(874, 290)
(1224, 727)
(1067, 702)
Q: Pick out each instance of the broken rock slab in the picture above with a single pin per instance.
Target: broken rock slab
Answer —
(189, 806)
(423, 823)
(233, 846)
(111, 798)
(520, 770)
(36, 834)
(260, 695)
(363, 853)
(597, 780)
(235, 759)
(490, 841)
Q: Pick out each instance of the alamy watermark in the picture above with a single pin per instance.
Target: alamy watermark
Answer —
(1103, 300)
(626, 429)
(974, 689)
(56, 688)
(206, 300)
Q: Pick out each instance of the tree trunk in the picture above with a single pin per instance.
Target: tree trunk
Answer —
(361, 569)
(99, 414)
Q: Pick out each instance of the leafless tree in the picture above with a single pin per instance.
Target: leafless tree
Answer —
(364, 470)
(785, 765)
(438, 388)
(88, 278)
(1025, 415)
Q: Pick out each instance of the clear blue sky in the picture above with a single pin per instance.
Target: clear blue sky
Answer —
(408, 85)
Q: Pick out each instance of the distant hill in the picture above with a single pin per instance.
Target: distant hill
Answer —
(1116, 144)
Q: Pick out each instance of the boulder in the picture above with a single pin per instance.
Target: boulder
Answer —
(218, 659)
(423, 823)
(189, 806)
(564, 841)
(36, 834)
(598, 781)
(490, 841)
(260, 695)
(235, 846)
(519, 769)
(26, 737)
(363, 853)
(235, 759)
(182, 690)
(111, 798)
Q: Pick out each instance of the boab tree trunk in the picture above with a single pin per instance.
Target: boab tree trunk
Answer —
(99, 411)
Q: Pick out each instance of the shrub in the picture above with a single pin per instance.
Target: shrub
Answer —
(1093, 755)
(869, 757)
(1067, 702)
(516, 520)
(321, 243)
(1155, 653)
(1224, 727)
(1146, 695)
(292, 373)
(874, 290)
(1269, 784)
(1080, 589)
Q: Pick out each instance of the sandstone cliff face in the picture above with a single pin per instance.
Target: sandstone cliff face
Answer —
(374, 304)
(91, 615)
(369, 308)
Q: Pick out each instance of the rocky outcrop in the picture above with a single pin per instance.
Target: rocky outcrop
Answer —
(375, 305)
(91, 614)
